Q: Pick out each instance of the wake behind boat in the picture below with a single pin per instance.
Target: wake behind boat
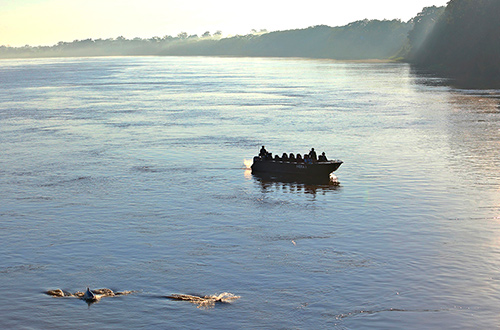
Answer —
(309, 166)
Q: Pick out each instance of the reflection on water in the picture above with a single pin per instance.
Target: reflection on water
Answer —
(473, 132)
(294, 184)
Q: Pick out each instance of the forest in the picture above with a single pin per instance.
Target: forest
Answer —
(367, 39)
(460, 41)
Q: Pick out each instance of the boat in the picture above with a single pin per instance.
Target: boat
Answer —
(322, 168)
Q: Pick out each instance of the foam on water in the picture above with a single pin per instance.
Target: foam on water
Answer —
(208, 301)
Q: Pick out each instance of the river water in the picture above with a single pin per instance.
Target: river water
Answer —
(128, 173)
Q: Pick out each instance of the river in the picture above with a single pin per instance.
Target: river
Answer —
(129, 173)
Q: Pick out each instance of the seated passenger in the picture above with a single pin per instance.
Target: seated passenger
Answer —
(284, 156)
(307, 160)
(277, 158)
(299, 158)
(292, 157)
(322, 157)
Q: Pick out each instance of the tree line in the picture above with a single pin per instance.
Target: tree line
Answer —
(460, 40)
(366, 39)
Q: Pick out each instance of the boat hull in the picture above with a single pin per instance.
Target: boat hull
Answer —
(316, 169)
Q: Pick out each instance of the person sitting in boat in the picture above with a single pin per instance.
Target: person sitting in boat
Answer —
(292, 157)
(277, 158)
(322, 157)
(284, 156)
(307, 160)
(299, 158)
(312, 155)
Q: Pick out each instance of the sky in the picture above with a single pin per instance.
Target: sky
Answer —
(46, 22)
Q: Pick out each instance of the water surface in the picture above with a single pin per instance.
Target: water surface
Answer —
(128, 173)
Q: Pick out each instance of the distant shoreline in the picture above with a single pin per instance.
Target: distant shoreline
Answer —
(447, 41)
(366, 40)
(374, 60)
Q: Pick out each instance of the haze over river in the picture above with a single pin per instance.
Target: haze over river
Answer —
(128, 173)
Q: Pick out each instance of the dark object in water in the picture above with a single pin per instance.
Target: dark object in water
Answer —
(89, 296)
(297, 167)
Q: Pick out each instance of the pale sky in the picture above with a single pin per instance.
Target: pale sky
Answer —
(46, 22)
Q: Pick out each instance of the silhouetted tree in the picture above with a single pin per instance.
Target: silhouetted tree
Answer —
(465, 43)
(423, 26)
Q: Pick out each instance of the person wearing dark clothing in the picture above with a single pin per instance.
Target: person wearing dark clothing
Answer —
(263, 152)
(312, 155)
(322, 157)
(292, 157)
(284, 156)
